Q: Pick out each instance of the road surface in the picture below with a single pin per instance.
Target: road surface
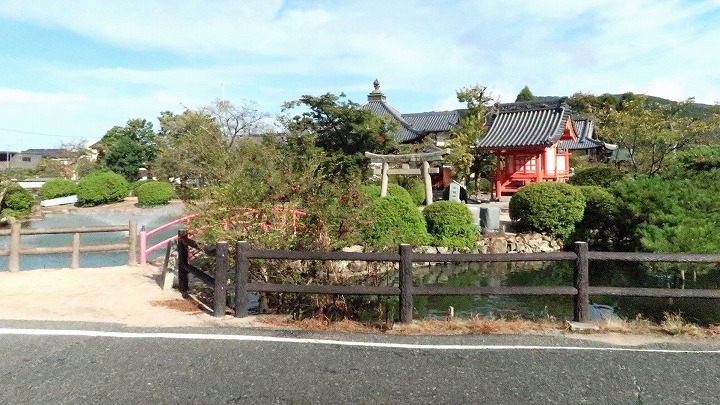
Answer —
(89, 363)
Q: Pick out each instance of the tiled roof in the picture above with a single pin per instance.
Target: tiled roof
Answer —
(405, 131)
(415, 126)
(584, 128)
(434, 121)
(532, 123)
(48, 153)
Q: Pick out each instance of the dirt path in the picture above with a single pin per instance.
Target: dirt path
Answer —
(128, 295)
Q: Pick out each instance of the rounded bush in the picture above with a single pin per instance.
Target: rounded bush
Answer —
(17, 202)
(603, 176)
(597, 226)
(393, 220)
(57, 188)
(451, 225)
(135, 184)
(155, 193)
(417, 192)
(102, 188)
(548, 207)
(371, 192)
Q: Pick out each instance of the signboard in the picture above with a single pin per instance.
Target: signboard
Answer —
(454, 191)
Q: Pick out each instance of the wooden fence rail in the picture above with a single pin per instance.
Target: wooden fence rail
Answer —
(15, 249)
(581, 289)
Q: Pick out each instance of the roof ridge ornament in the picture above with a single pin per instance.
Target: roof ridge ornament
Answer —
(376, 85)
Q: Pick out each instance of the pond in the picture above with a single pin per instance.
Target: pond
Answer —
(149, 217)
(611, 274)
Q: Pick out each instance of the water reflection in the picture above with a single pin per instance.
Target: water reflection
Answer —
(611, 274)
(148, 217)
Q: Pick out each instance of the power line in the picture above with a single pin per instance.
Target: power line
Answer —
(39, 133)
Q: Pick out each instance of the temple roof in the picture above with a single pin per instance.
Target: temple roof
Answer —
(415, 126)
(522, 124)
(585, 129)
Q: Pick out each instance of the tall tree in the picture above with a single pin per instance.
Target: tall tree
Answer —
(650, 132)
(237, 121)
(192, 147)
(343, 130)
(126, 149)
(472, 127)
(525, 95)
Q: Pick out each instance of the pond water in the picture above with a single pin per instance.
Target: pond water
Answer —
(149, 217)
(612, 274)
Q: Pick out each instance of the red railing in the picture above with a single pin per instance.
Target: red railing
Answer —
(144, 235)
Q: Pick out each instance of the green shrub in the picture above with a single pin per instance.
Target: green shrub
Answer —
(155, 193)
(417, 192)
(481, 185)
(451, 224)
(137, 183)
(371, 191)
(548, 207)
(599, 218)
(17, 202)
(102, 188)
(603, 176)
(393, 220)
(57, 188)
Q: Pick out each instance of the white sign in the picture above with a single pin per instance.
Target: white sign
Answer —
(454, 191)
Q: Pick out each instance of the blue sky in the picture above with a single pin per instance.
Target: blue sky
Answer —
(71, 70)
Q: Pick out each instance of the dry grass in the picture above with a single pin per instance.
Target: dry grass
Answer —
(673, 325)
(179, 304)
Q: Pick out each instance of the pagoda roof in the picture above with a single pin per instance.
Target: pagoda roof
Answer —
(415, 126)
(526, 124)
(585, 129)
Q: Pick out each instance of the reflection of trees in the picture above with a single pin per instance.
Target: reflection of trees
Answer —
(611, 274)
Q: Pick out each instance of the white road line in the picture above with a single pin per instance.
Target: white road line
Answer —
(249, 338)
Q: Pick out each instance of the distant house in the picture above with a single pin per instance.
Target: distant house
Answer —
(527, 140)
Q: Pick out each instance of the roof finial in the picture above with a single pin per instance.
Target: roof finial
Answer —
(376, 84)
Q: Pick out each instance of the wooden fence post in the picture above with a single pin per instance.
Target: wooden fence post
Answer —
(242, 266)
(220, 288)
(582, 283)
(183, 282)
(75, 260)
(14, 259)
(406, 300)
(132, 243)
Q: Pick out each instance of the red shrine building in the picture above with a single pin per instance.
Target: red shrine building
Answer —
(529, 141)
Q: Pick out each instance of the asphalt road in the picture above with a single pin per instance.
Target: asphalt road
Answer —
(237, 369)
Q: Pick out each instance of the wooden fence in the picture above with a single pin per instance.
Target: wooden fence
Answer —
(580, 289)
(15, 249)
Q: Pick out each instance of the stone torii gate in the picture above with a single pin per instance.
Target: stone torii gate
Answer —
(416, 159)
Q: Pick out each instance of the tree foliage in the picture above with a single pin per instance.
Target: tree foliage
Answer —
(650, 132)
(525, 95)
(128, 148)
(464, 137)
(343, 130)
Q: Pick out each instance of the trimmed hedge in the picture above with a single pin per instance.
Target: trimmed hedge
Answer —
(57, 188)
(155, 193)
(451, 225)
(417, 192)
(17, 202)
(548, 207)
(393, 220)
(102, 188)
